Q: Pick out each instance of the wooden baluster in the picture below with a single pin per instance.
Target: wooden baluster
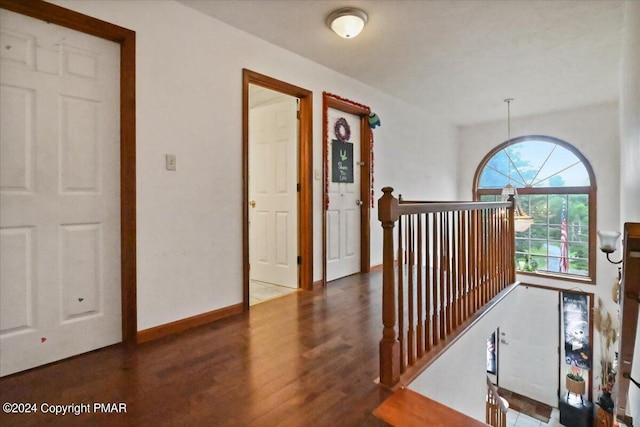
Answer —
(459, 292)
(486, 257)
(465, 255)
(480, 255)
(420, 330)
(499, 250)
(410, 290)
(448, 241)
(505, 250)
(493, 260)
(441, 269)
(473, 264)
(389, 345)
(470, 264)
(512, 241)
(428, 333)
(400, 293)
(435, 296)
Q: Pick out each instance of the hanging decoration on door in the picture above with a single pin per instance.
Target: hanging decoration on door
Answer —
(342, 130)
(341, 161)
(575, 313)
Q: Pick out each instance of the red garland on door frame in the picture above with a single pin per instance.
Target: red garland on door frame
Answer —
(326, 160)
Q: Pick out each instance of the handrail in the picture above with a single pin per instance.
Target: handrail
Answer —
(452, 258)
(429, 207)
(496, 412)
(493, 391)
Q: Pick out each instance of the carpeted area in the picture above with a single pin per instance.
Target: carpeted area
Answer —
(527, 406)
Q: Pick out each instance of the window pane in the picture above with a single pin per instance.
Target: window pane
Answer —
(562, 169)
(492, 179)
(539, 231)
(558, 240)
(579, 259)
(539, 164)
(522, 245)
(539, 263)
(578, 218)
(538, 208)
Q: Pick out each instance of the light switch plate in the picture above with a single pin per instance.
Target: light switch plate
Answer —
(170, 160)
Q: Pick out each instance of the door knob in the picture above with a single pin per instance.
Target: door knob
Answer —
(252, 203)
(359, 202)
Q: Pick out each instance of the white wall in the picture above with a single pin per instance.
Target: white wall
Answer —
(594, 130)
(630, 116)
(189, 91)
(630, 154)
(465, 363)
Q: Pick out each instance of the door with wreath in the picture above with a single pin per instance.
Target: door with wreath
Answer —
(343, 212)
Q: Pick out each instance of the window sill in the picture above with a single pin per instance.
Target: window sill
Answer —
(556, 276)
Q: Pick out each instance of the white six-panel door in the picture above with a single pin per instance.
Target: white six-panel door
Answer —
(59, 193)
(343, 214)
(529, 340)
(273, 210)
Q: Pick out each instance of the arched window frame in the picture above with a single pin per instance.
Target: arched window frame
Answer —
(590, 190)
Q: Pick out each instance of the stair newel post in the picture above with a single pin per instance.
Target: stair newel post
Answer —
(389, 345)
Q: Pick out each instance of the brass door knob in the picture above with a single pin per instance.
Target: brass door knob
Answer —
(252, 203)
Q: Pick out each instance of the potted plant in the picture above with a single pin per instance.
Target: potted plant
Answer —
(575, 383)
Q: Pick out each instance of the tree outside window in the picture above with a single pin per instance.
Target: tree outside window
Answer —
(556, 186)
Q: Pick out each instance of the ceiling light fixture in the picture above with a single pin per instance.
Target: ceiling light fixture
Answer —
(347, 22)
(522, 220)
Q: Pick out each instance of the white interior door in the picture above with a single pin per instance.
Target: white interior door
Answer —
(343, 214)
(529, 344)
(273, 195)
(59, 193)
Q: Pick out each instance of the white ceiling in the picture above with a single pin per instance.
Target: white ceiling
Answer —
(457, 58)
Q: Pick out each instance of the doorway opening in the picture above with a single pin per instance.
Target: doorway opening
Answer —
(347, 197)
(273, 197)
(277, 185)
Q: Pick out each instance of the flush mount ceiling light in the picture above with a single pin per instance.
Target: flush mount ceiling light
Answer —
(347, 22)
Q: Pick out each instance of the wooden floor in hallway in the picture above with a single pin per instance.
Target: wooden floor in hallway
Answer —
(306, 359)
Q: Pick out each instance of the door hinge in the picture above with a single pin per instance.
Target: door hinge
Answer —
(299, 260)
(298, 114)
(298, 187)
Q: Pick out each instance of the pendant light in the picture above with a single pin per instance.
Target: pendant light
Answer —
(522, 221)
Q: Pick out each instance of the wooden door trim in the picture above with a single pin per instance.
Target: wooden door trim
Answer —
(127, 40)
(305, 176)
(362, 111)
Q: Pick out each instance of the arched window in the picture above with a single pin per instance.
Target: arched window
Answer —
(556, 186)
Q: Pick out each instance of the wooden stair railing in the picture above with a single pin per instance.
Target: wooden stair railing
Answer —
(630, 310)
(496, 414)
(452, 258)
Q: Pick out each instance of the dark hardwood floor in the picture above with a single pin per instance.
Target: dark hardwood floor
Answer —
(306, 359)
